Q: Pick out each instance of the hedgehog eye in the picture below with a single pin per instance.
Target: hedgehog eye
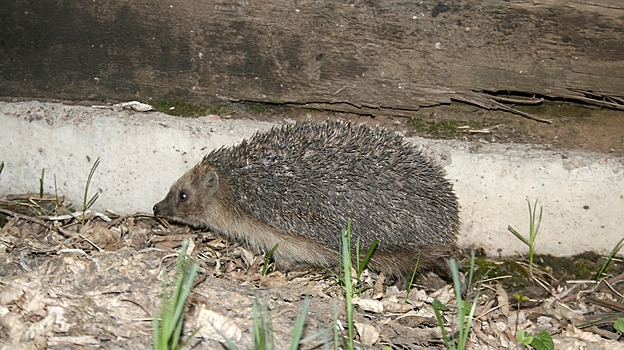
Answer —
(182, 196)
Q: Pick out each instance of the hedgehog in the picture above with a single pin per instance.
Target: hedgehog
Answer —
(300, 185)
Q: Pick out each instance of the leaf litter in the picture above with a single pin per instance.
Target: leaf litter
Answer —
(65, 285)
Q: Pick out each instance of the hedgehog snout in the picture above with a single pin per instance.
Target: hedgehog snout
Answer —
(156, 209)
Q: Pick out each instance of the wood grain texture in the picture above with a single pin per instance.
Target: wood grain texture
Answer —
(376, 56)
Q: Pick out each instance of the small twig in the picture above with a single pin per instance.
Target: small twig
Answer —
(488, 311)
(606, 303)
(543, 284)
(597, 99)
(485, 101)
(488, 280)
(121, 218)
(76, 215)
(137, 304)
(467, 129)
(615, 279)
(339, 90)
(520, 101)
(86, 240)
(73, 251)
(524, 114)
(38, 221)
(611, 288)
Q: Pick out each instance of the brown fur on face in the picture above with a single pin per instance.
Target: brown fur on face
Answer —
(195, 199)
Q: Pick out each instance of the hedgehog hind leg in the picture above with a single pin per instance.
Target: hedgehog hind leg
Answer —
(440, 264)
(443, 269)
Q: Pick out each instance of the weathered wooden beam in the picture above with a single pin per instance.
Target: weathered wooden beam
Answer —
(357, 55)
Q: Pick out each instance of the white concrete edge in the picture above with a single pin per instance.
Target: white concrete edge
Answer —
(142, 154)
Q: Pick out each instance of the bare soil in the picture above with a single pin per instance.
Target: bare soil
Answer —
(66, 284)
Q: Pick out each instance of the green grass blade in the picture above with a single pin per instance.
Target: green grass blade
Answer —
(531, 218)
(607, 261)
(156, 331)
(367, 258)
(437, 308)
(408, 287)
(539, 222)
(267, 258)
(163, 339)
(465, 316)
(179, 312)
(299, 324)
(456, 280)
(257, 329)
(41, 183)
(472, 268)
(89, 178)
(92, 201)
(168, 331)
(262, 328)
(87, 204)
(323, 334)
(182, 290)
(461, 305)
(467, 326)
(357, 258)
(346, 261)
(518, 235)
(188, 339)
(177, 307)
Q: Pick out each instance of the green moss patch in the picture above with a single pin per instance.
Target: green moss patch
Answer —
(446, 129)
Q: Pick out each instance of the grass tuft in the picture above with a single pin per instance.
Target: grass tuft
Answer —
(534, 225)
(357, 285)
(263, 336)
(167, 329)
(464, 311)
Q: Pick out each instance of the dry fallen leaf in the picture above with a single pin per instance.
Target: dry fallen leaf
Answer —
(371, 305)
(217, 326)
(369, 335)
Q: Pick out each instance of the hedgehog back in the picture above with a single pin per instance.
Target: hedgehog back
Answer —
(309, 179)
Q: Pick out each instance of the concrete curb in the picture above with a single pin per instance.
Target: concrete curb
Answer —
(143, 153)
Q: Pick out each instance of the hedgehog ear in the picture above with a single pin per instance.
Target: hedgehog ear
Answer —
(211, 182)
